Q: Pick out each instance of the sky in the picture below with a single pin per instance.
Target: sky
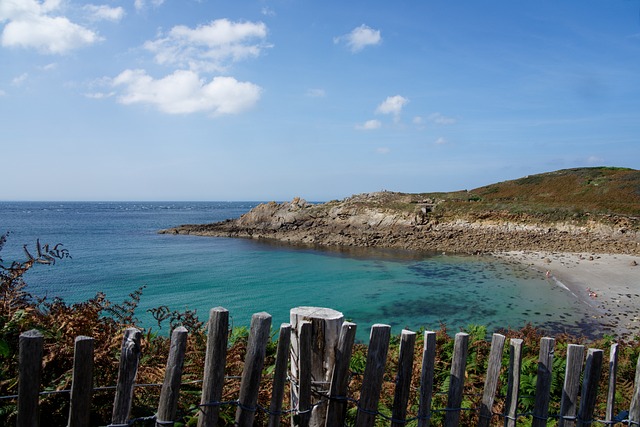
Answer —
(155, 100)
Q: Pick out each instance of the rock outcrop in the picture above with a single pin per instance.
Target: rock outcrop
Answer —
(394, 220)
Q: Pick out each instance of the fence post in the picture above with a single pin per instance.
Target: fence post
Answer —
(214, 364)
(373, 375)
(304, 375)
(491, 381)
(325, 332)
(426, 378)
(613, 372)
(172, 378)
(543, 383)
(129, 357)
(337, 411)
(403, 378)
(634, 409)
(592, 371)
(280, 375)
(513, 385)
(252, 372)
(30, 367)
(569, 402)
(456, 379)
(81, 383)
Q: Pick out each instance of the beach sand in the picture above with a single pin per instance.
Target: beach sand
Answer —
(610, 283)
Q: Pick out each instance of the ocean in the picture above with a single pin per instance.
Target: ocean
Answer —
(115, 249)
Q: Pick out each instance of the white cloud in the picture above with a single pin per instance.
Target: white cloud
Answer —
(392, 105)
(441, 141)
(360, 37)
(99, 95)
(369, 125)
(17, 81)
(2, 93)
(141, 4)
(439, 119)
(316, 93)
(104, 13)
(383, 150)
(209, 47)
(32, 25)
(267, 11)
(185, 92)
(49, 67)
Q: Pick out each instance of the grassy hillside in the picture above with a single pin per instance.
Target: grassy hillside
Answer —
(605, 194)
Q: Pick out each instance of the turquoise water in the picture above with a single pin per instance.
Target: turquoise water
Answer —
(116, 248)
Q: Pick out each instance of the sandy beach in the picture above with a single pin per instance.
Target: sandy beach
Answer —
(610, 283)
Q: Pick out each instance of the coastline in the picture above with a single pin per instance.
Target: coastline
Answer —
(609, 283)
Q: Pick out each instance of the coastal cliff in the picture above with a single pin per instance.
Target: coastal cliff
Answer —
(576, 210)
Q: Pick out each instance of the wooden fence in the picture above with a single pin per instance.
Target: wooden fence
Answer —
(314, 406)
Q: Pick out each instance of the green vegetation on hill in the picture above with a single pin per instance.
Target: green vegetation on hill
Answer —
(605, 194)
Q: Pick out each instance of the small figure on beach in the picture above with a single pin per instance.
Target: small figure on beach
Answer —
(592, 294)
(548, 274)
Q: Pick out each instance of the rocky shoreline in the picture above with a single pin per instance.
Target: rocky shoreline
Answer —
(360, 221)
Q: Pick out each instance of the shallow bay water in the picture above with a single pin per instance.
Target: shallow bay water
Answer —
(115, 249)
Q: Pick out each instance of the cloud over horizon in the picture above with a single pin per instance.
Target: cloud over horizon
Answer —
(359, 38)
(184, 92)
(33, 25)
(210, 47)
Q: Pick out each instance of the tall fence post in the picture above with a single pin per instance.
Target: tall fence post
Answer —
(611, 392)
(513, 384)
(543, 384)
(426, 378)
(569, 401)
(325, 333)
(170, 392)
(491, 380)
(373, 375)
(30, 367)
(592, 370)
(337, 411)
(214, 364)
(634, 409)
(280, 375)
(304, 375)
(252, 372)
(129, 358)
(456, 379)
(403, 378)
(81, 383)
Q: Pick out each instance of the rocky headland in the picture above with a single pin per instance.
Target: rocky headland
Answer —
(563, 211)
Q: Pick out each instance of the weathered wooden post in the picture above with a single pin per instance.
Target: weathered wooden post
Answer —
(82, 383)
(280, 375)
(337, 411)
(634, 409)
(172, 378)
(592, 371)
(373, 375)
(569, 401)
(613, 373)
(426, 378)
(491, 380)
(214, 364)
(513, 385)
(304, 376)
(543, 384)
(403, 378)
(325, 333)
(129, 358)
(456, 379)
(30, 367)
(252, 372)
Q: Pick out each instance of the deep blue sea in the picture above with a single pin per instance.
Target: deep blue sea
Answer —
(115, 249)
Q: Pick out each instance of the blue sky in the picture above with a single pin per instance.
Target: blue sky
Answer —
(271, 99)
